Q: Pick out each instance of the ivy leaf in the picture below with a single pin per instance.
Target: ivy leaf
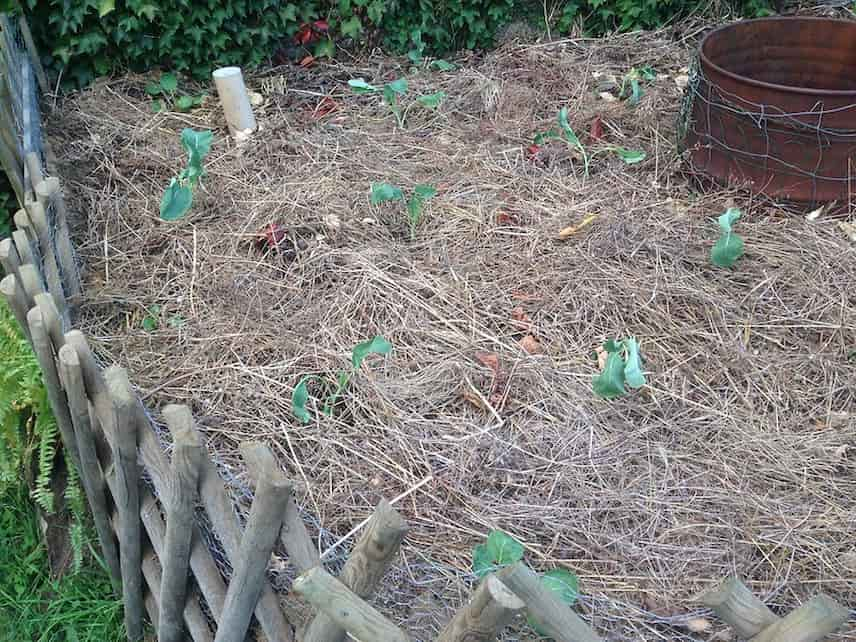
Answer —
(567, 130)
(105, 7)
(175, 202)
(633, 364)
(197, 100)
(153, 89)
(630, 156)
(360, 86)
(729, 247)
(432, 101)
(169, 82)
(609, 384)
(378, 345)
(352, 27)
(184, 103)
(442, 65)
(382, 192)
(399, 86)
(325, 48)
(482, 561)
(299, 398)
(157, 106)
(503, 548)
(566, 587)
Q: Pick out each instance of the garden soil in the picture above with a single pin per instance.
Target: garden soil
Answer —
(737, 457)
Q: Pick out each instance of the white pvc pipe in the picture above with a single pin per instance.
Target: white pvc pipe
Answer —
(235, 100)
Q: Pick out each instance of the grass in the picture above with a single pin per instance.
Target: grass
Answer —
(77, 607)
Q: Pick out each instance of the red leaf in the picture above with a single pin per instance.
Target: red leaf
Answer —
(307, 61)
(530, 345)
(271, 236)
(520, 319)
(489, 360)
(596, 132)
(532, 151)
(305, 35)
(321, 25)
(504, 218)
(325, 106)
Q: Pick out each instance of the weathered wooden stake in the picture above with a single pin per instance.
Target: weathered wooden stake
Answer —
(365, 567)
(559, 621)
(736, 605)
(490, 609)
(49, 190)
(15, 296)
(90, 468)
(23, 247)
(186, 455)
(812, 621)
(263, 526)
(348, 610)
(9, 259)
(123, 437)
(54, 280)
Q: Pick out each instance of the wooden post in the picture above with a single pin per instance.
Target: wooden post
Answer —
(490, 609)
(34, 169)
(357, 617)
(49, 190)
(557, 619)
(31, 281)
(14, 294)
(205, 571)
(27, 35)
(53, 277)
(294, 536)
(186, 455)
(263, 526)
(22, 246)
(9, 259)
(122, 434)
(813, 621)
(56, 395)
(90, 468)
(736, 605)
(222, 515)
(365, 567)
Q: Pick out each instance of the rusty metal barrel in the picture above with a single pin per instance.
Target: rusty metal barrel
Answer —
(771, 106)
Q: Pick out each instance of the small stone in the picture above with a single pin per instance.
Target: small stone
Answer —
(698, 624)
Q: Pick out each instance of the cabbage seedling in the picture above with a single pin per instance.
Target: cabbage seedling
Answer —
(729, 247)
(382, 192)
(623, 366)
(178, 197)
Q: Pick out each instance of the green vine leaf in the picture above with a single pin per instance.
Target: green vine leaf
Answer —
(730, 246)
(169, 82)
(105, 7)
(377, 345)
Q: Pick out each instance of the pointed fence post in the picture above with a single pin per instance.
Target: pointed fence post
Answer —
(489, 610)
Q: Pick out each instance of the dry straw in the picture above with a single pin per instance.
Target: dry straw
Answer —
(740, 455)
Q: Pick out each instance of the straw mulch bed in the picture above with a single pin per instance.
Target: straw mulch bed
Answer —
(738, 457)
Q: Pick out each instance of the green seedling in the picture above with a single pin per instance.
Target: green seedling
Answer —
(384, 192)
(392, 93)
(300, 397)
(623, 366)
(631, 87)
(566, 134)
(151, 321)
(729, 247)
(442, 65)
(164, 93)
(178, 197)
(501, 549)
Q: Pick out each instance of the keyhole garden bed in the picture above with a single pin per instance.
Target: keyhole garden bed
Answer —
(496, 268)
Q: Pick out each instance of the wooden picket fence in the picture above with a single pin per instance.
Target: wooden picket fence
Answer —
(145, 504)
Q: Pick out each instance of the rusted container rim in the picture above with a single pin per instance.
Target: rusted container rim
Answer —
(838, 93)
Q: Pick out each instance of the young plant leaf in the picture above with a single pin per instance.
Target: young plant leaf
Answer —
(341, 383)
(635, 91)
(197, 144)
(633, 364)
(503, 548)
(424, 192)
(432, 101)
(175, 202)
(378, 345)
(399, 86)
(647, 73)
(299, 398)
(360, 86)
(543, 137)
(169, 82)
(609, 384)
(566, 587)
(150, 324)
(729, 247)
(390, 98)
(153, 89)
(482, 561)
(197, 100)
(629, 156)
(105, 7)
(567, 130)
(442, 65)
(157, 106)
(324, 48)
(177, 321)
(382, 192)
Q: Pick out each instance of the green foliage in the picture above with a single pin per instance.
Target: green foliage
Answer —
(334, 389)
(604, 16)
(501, 549)
(80, 606)
(178, 196)
(623, 366)
(392, 93)
(631, 87)
(383, 192)
(729, 247)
